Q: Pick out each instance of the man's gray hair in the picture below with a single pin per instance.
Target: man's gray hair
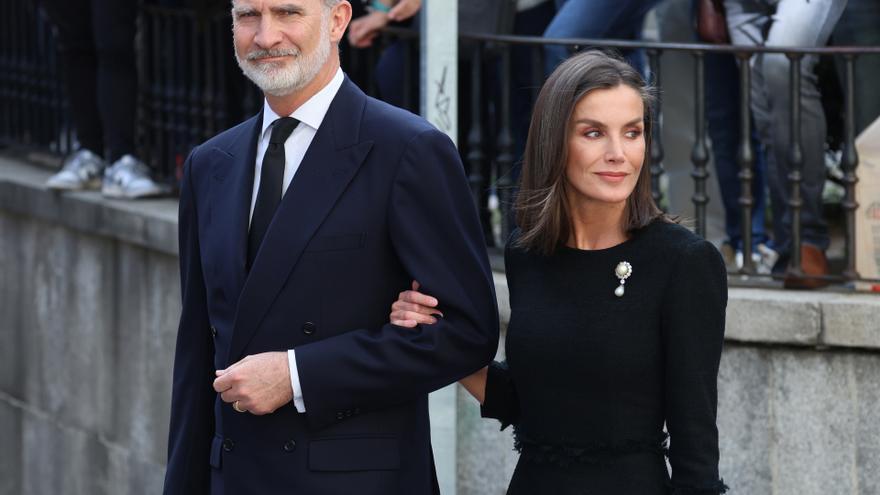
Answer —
(327, 3)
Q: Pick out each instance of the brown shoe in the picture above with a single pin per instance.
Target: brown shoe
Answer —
(813, 264)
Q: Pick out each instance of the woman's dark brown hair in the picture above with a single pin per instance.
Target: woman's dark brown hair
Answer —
(541, 206)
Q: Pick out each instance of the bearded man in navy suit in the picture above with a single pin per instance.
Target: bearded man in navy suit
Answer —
(298, 229)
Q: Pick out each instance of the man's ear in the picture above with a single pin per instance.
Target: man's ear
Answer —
(340, 16)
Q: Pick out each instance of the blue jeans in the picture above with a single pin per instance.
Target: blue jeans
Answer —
(722, 113)
(788, 23)
(615, 19)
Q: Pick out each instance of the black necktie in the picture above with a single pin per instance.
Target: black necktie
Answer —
(271, 177)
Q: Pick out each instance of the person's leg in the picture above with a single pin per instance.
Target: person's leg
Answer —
(113, 24)
(581, 19)
(630, 27)
(722, 113)
(801, 23)
(748, 22)
(390, 70)
(76, 47)
(531, 22)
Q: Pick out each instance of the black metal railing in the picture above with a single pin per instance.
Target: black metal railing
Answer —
(490, 162)
(190, 89)
(33, 109)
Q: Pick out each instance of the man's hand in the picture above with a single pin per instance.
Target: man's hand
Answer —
(260, 383)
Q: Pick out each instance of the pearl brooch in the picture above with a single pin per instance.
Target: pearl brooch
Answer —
(622, 271)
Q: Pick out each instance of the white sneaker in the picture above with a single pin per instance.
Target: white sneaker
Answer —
(768, 259)
(81, 170)
(763, 259)
(129, 178)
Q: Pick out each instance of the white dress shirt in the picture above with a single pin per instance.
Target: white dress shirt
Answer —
(310, 115)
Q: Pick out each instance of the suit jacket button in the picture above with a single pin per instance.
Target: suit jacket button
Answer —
(309, 328)
(213, 331)
(228, 445)
(289, 446)
(340, 415)
(357, 410)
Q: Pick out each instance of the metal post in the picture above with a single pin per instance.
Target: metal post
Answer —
(219, 119)
(700, 154)
(537, 56)
(656, 151)
(796, 162)
(407, 73)
(199, 96)
(745, 159)
(475, 156)
(505, 147)
(849, 162)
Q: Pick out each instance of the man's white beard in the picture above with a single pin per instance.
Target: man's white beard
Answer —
(284, 78)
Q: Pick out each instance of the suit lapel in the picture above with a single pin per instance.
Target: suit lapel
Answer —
(332, 160)
(232, 188)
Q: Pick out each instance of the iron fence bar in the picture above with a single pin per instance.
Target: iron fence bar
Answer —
(28, 83)
(746, 160)
(40, 90)
(180, 120)
(849, 161)
(211, 104)
(221, 114)
(157, 97)
(199, 97)
(656, 151)
(537, 69)
(505, 157)
(796, 162)
(5, 70)
(700, 153)
(372, 58)
(20, 85)
(475, 156)
(668, 46)
(407, 74)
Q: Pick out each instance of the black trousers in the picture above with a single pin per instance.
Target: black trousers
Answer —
(96, 44)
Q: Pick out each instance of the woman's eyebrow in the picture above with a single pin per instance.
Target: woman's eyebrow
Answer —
(597, 123)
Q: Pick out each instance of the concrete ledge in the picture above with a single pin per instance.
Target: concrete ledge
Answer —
(150, 223)
(804, 318)
(851, 320)
(774, 316)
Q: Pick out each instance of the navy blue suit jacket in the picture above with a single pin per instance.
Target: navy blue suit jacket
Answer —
(380, 199)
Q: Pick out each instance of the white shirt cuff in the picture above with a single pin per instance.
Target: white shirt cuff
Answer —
(294, 382)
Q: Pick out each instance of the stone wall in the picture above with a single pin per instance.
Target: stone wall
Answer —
(89, 302)
(88, 312)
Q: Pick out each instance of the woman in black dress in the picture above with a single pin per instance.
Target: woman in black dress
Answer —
(617, 313)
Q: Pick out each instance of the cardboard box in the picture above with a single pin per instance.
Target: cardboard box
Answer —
(868, 198)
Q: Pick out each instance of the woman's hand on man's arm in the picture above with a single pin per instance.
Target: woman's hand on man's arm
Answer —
(412, 308)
